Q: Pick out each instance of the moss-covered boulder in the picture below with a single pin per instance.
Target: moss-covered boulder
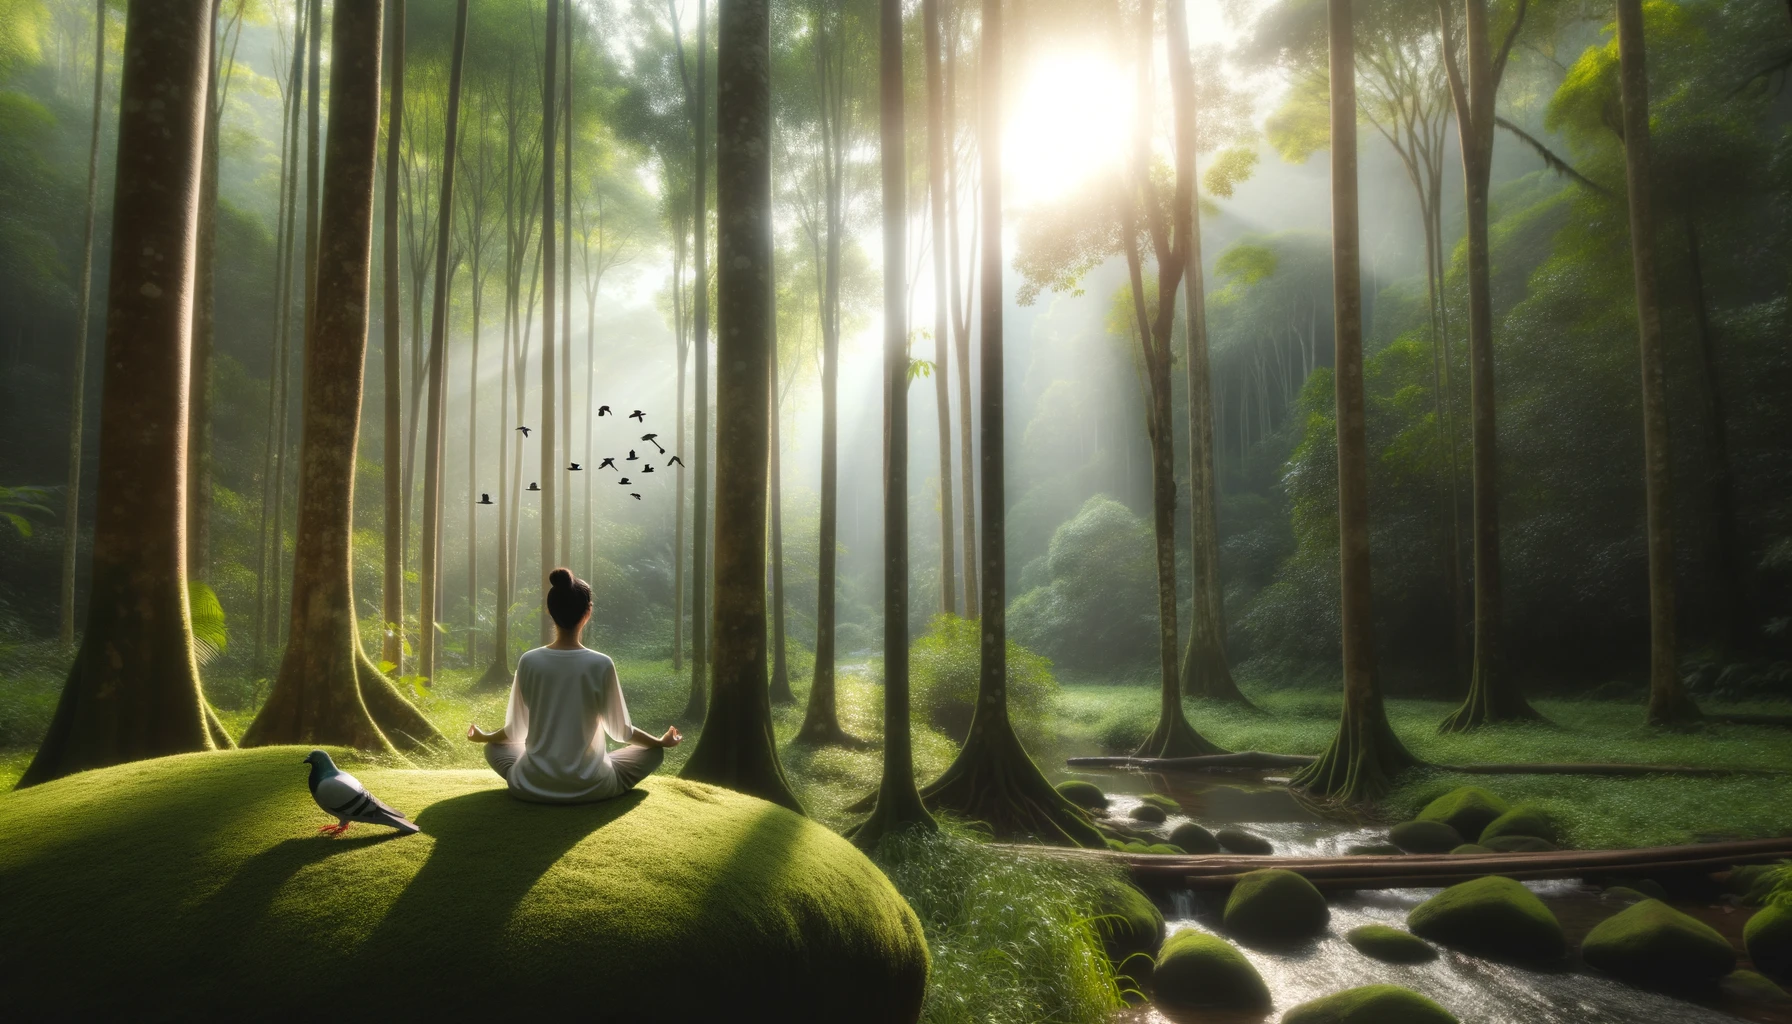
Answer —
(1083, 794)
(1131, 927)
(1425, 837)
(1654, 945)
(1749, 987)
(1193, 838)
(1625, 894)
(1518, 844)
(1523, 820)
(1492, 917)
(1235, 840)
(1201, 971)
(1380, 942)
(1650, 889)
(203, 888)
(1468, 810)
(1371, 1004)
(1471, 848)
(1147, 812)
(1168, 805)
(1768, 936)
(1273, 907)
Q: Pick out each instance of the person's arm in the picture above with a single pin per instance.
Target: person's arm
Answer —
(671, 738)
(516, 719)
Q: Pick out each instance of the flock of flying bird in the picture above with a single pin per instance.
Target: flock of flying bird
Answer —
(608, 463)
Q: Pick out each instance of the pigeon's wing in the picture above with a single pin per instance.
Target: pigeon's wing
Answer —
(343, 795)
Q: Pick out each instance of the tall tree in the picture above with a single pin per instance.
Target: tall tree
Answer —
(697, 101)
(1492, 695)
(479, 230)
(936, 197)
(780, 679)
(992, 779)
(736, 747)
(961, 327)
(392, 511)
(1365, 755)
(898, 806)
(133, 690)
(550, 476)
(438, 343)
(71, 511)
(1668, 700)
(327, 690)
(566, 292)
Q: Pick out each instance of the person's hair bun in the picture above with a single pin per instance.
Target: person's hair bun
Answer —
(560, 578)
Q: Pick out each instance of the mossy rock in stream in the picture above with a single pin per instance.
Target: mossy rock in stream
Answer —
(1518, 844)
(1168, 805)
(1625, 894)
(1493, 917)
(1523, 820)
(1201, 971)
(1381, 942)
(1131, 927)
(1753, 989)
(1147, 812)
(1468, 848)
(1468, 809)
(1653, 945)
(197, 883)
(1272, 907)
(1234, 840)
(1193, 838)
(1768, 936)
(1371, 1004)
(1083, 794)
(1425, 837)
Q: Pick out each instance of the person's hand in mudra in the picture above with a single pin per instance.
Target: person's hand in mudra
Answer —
(671, 738)
(478, 735)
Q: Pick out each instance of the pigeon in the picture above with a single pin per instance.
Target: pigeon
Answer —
(533, 486)
(638, 415)
(603, 410)
(607, 463)
(646, 467)
(574, 468)
(342, 796)
(635, 496)
(656, 444)
(484, 499)
(632, 457)
(624, 480)
(525, 431)
(675, 461)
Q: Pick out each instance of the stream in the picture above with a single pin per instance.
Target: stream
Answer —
(1477, 991)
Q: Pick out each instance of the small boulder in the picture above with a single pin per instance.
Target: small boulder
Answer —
(1654, 945)
(1202, 971)
(1371, 1004)
(1518, 844)
(1129, 924)
(1163, 803)
(1425, 837)
(1373, 850)
(1083, 794)
(1380, 942)
(1147, 812)
(1273, 907)
(1651, 889)
(1468, 810)
(1471, 848)
(1235, 840)
(1625, 894)
(1493, 917)
(1193, 838)
(1523, 820)
(1749, 987)
(1768, 936)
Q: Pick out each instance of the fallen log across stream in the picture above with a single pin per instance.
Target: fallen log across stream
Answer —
(1257, 760)
(1162, 872)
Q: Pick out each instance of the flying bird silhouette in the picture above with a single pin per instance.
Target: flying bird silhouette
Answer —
(603, 410)
(656, 444)
(635, 496)
(675, 461)
(624, 480)
(646, 467)
(484, 499)
(533, 486)
(638, 415)
(525, 431)
(631, 456)
(574, 468)
(609, 463)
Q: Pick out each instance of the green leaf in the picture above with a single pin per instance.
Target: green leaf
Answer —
(386, 667)
(20, 523)
(210, 637)
(919, 368)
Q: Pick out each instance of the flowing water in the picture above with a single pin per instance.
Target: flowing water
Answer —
(1476, 990)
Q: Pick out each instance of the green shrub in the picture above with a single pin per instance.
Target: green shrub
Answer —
(1099, 609)
(945, 663)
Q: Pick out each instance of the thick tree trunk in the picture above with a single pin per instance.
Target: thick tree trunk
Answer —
(327, 690)
(199, 389)
(550, 451)
(133, 691)
(736, 747)
(71, 511)
(1669, 703)
(936, 196)
(1731, 615)
(961, 331)
(565, 462)
(392, 591)
(429, 578)
(780, 681)
(1366, 755)
(821, 718)
(695, 707)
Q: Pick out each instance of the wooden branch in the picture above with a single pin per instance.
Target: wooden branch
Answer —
(1550, 159)
(1253, 759)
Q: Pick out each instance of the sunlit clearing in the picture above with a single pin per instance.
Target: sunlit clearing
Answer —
(1071, 119)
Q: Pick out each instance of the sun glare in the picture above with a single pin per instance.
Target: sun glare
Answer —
(1071, 119)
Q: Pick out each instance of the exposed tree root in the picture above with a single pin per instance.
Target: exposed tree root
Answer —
(993, 781)
(220, 738)
(1175, 737)
(1362, 761)
(497, 676)
(831, 734)
(398, 718)
(1489, 702)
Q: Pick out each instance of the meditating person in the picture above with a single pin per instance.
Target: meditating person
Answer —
(565, 698)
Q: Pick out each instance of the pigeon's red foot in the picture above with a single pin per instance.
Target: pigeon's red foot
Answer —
(334, 830)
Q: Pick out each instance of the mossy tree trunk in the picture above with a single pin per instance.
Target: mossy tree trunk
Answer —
(392, 590)
(898, 807)
(133, 690)
(1669, 703)
(327, 690)
(1366, 755)
(992, 779)
(736, 748)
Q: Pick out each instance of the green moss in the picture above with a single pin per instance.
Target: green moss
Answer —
(1083, 794)
(1380, 942)
(1193, 838)
(1371, 1004)
(1239, 841)
(1162, 803)
(1626, 894)
(1523, 820)
(1768, 936)
(1652, 944)
(1131, 928)
(1518, 844)
(1471, 848)
(1493, 917)
(1275, 907)
(1425, 837)
(1147, 812)
(207, 868)
(1749, 987)
(1198, 970)
(1468, 810)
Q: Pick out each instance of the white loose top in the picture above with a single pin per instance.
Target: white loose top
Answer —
(561, 705)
